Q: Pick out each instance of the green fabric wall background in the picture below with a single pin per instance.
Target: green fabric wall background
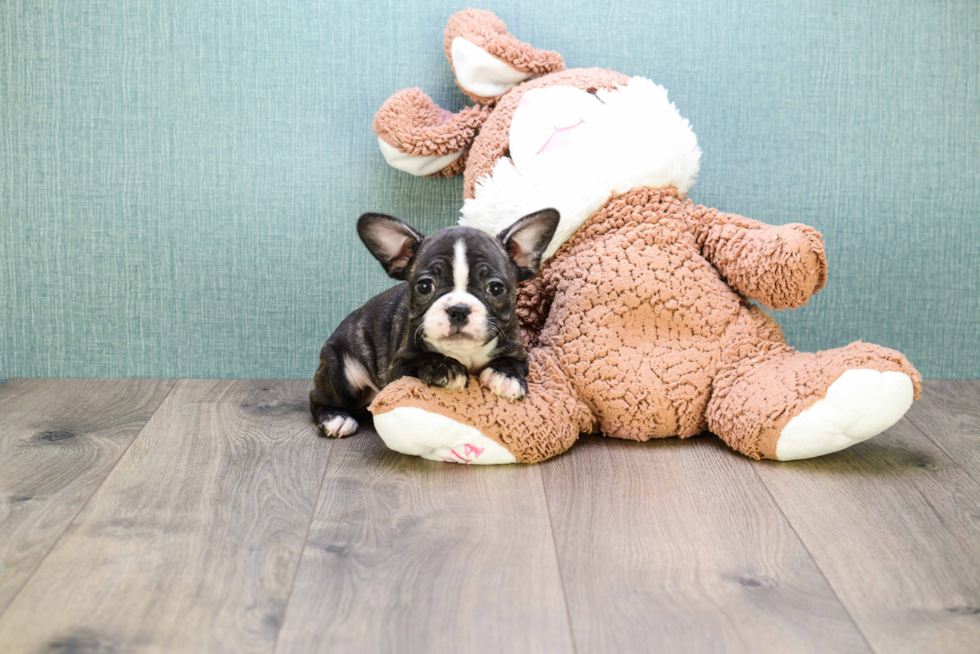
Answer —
(179, 179)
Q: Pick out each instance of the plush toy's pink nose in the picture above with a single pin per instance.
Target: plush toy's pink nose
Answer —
(561, 138)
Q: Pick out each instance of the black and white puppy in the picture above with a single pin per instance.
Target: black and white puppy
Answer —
(453, 316)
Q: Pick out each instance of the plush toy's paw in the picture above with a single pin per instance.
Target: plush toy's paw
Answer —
(445, 373)
(503, 385)
(338, 426)
(418, 432)
(860, 404)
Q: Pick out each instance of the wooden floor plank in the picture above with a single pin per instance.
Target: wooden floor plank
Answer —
(949, 413)
(59, 438)
(407, 555)
(894, 525)
(676, 546)
(192, 542)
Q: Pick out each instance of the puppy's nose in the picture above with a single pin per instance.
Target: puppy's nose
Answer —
(458, 314)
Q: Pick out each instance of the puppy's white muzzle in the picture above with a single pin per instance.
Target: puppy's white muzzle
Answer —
(438, 325)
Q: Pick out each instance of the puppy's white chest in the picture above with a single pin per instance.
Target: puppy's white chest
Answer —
(474, 357)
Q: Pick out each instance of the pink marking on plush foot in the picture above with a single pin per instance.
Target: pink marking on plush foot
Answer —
(562, 138)
(470, 454)
(449, 459)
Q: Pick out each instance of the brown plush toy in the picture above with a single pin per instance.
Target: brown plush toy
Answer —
(640, 323)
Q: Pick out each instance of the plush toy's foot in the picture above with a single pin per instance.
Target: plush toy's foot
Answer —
(473, 425)
(862, 403)
(415, 431)
(798, 405)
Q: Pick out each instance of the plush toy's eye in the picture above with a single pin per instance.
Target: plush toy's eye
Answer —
(495, 288)
(424, 286)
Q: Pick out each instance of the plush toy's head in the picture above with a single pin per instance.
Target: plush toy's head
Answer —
(543, 137)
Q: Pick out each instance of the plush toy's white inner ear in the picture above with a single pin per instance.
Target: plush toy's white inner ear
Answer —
(480, 73)
(415, 165)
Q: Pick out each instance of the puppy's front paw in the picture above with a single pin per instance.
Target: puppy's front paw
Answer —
(505, 386)
(339, 426)
(449, 374)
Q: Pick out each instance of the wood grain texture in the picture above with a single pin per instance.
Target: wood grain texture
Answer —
(59, 438)
(192, 542)
(194, 539)
(949, 414)
(407, 555)
(675, 546)
(894, 525)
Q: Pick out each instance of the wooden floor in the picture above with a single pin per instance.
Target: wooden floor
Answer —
(198, 516)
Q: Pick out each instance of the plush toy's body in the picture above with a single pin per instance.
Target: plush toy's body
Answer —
(639, 326)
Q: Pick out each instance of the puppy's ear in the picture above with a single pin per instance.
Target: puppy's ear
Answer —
(391, 241)
(528, 238)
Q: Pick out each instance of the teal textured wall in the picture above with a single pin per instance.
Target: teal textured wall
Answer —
(179, 179)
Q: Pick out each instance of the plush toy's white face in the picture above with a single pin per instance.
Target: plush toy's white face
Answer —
(571, 150)
(552, 128)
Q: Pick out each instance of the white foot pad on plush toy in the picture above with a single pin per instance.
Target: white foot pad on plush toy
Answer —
(860, 404)
(415, 431)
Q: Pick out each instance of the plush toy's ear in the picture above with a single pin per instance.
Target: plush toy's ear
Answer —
(487, 60)
(418, 137)
(528, 238)
(391, 241)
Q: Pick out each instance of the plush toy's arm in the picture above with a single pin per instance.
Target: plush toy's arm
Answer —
(418, 137)
(779, 266)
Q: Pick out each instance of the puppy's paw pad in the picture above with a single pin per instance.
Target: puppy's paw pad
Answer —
(339, 426)
(445, 375)
(509, 388)
(456, 380)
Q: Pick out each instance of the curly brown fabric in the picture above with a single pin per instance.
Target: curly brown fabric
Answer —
(485, 30)
(632, 330)
(781, 267)
(411, 122)
(533, 304)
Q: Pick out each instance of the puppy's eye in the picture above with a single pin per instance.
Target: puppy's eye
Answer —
(495, 288)
(424, 286)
